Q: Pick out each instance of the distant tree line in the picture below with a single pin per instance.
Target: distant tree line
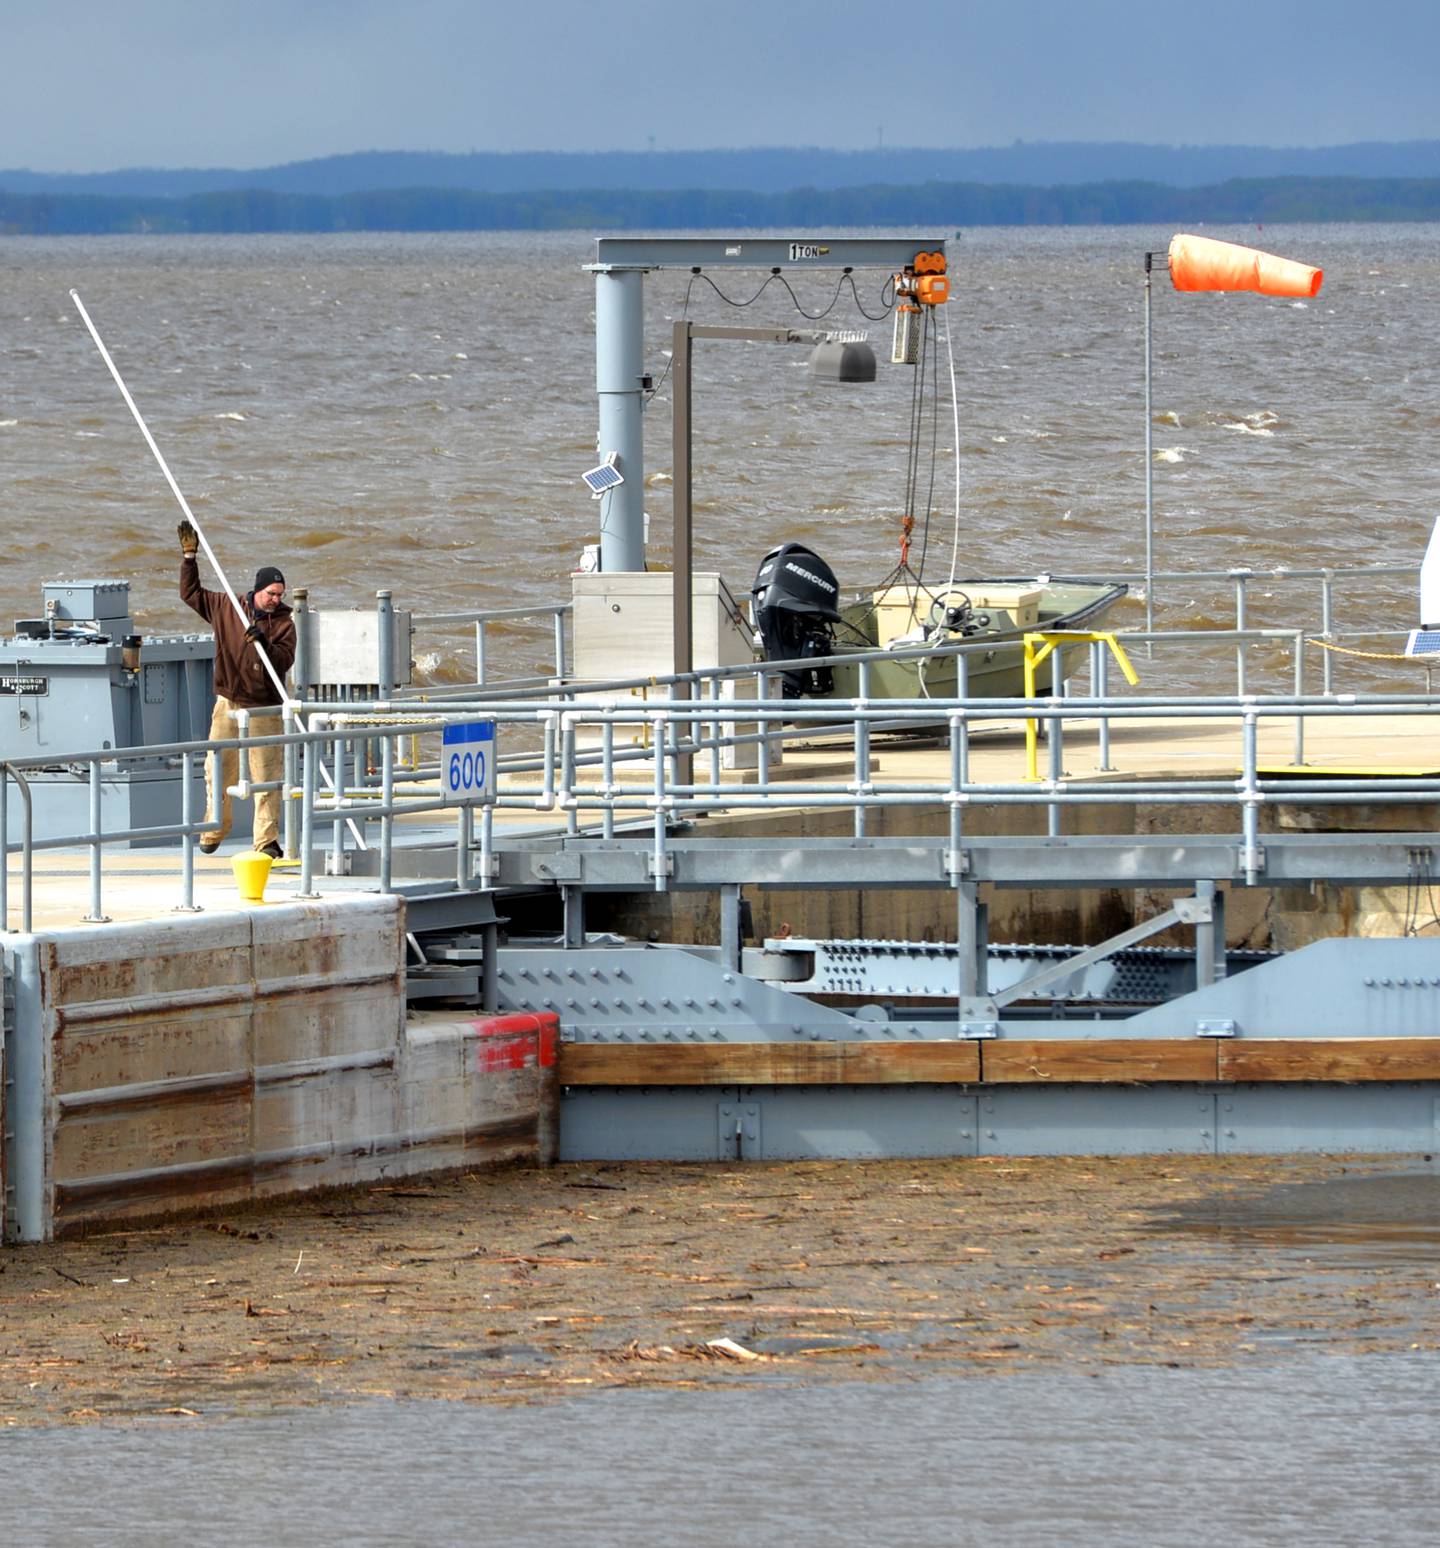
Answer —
(763, 169)
(243, 211)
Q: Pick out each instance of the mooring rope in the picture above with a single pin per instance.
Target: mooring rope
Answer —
(1369, 655)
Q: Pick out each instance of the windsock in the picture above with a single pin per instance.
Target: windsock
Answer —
(1201, 263)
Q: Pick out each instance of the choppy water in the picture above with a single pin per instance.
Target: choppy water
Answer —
(1336, 1450)
(414, 412)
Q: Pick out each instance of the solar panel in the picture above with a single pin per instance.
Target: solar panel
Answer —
(1423, 642)
(606, 476)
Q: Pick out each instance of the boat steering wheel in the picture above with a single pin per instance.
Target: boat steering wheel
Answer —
(949, 609)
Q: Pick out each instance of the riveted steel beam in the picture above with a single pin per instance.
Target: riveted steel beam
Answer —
(1065, 861)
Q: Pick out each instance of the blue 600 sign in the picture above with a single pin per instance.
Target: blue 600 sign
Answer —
(468, 761)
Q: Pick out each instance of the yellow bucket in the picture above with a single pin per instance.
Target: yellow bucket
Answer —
(252, 871)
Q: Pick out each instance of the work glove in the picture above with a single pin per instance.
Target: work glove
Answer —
(189, 540)
(253, 633)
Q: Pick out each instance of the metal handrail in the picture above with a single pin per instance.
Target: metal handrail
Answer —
(1237, 576)
(558, 612)
(457, 695)
(670, 731)
(26, 846)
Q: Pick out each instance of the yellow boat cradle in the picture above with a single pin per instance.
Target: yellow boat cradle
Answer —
(1040, 646)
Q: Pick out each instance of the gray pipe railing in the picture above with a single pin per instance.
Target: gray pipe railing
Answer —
(7, 772)
(1239, 578)
(552, 779)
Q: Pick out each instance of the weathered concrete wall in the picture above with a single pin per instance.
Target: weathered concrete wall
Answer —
(208, 1059)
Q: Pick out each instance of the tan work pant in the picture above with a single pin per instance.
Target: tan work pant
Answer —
(265, 764)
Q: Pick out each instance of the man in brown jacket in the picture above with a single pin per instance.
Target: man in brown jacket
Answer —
(241, 682)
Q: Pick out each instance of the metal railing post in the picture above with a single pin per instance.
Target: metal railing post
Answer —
(487, 854)
(953, 864)
(559, 644)
(290, 723)
(1250, 799)
(385, 643)
(1327, 615)
(242, 756)
(674, 733)
(1101, 680)
(387, 821)
(568, 797)
(546, 801)
(657, 750)
(1299, 694)
(480, 652)
(1241, 579)
(713, 693)
(862, 751)
(187, 841)
(300, 672)
(464, 838)
(607, 777)
(1055, 742)
(96, 914)
(309, 761)
(26, 855)
(335, 865)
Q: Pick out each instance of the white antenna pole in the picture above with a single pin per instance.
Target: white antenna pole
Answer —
(955, 416)
(175, 490)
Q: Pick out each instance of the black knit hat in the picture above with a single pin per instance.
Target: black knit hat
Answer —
(268, 575)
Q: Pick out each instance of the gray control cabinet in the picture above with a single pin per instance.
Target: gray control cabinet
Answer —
(79, 679)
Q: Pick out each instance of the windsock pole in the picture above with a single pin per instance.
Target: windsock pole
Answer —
(1149, 467)
(1203, 263)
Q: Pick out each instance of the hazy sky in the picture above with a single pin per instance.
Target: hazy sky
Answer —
(90, 85)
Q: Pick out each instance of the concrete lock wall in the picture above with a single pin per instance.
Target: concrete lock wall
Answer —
(215, 1058)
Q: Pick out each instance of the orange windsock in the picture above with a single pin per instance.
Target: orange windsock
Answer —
(1201, 263)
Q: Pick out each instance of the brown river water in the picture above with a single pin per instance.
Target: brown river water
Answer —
(414, 411)
(1158, 1351)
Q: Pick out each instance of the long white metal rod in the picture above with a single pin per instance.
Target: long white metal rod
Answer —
(175, 488)
(285, 700)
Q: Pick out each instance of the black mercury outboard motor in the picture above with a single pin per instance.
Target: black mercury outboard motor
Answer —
(795, 596)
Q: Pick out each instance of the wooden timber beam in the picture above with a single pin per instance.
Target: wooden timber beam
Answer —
(769, 1064)
(1335, 1059)
(1120, 1061)
(1003, 1061)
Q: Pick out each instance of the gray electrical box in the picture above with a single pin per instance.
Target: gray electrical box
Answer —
(98, 602)
(340, 649)
(79, 679)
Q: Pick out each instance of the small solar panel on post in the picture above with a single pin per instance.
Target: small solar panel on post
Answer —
(606, 476)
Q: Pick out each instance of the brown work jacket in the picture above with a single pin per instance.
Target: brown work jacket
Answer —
(240, 674)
